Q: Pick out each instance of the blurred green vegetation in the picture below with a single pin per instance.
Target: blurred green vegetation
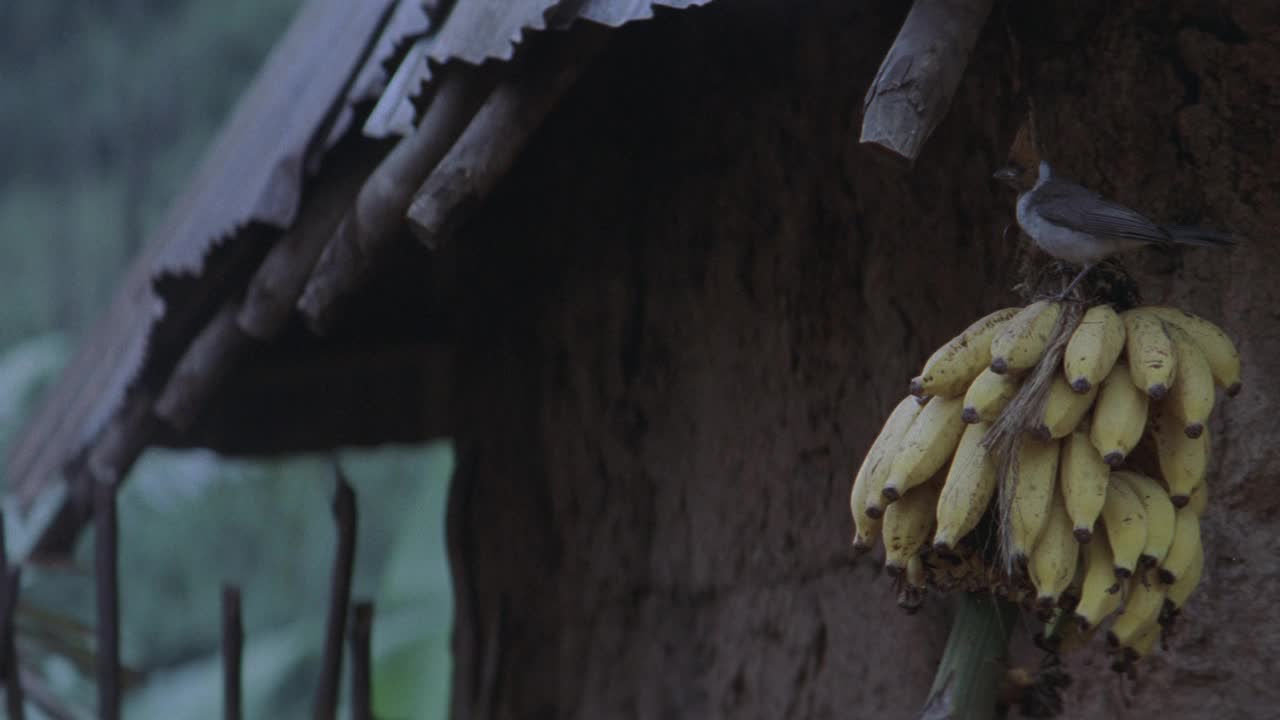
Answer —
(108, 106)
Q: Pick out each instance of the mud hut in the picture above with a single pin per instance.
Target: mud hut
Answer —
(634, 260)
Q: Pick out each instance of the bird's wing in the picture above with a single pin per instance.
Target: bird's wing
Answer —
(1066, 203)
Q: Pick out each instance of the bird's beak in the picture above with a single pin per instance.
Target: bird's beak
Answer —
(1009, 174)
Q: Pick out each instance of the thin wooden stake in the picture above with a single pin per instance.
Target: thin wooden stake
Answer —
(344, 514)
(108, 599)
(9, 670)
(14, 697)
(232, 651)
(361, 661)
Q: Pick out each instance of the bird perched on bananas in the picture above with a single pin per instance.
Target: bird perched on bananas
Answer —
(1075, 224)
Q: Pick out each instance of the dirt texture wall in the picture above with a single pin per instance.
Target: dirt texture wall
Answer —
(686, 314)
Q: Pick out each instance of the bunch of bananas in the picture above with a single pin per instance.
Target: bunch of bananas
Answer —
(1104, 479)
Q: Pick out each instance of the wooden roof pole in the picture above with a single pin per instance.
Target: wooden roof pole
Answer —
(372, 223)
(489, 146)
(919, 75)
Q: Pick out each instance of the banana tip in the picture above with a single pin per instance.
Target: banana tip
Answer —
(1123, 573)
(1167, 577)
(970, 416)
(1233, 390)
(916, 387)
(1113, 458)
(999, 366)
(1158, 391)
(943, 547)
(1180, 500)
(874, 512)
(1194, 430)
(890, 494)
(1083, 535)
(1081, 385)
(1046, 602)
(893, 569)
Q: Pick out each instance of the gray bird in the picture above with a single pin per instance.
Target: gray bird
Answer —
(1077, 225)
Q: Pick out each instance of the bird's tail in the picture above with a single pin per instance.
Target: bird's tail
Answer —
(1192, 235)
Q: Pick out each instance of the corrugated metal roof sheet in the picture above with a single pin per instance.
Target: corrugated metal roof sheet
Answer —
(479, 30)
(615, 13)
(253, 175)
(253, 172)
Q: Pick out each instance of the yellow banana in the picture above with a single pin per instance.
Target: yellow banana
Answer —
(987, 396)
(929, 442)
(1053, 561)
(1071, 596)
(1160, 515)
(1093, 348)
(1151, 359)
(1191, 397)
(1119, 416)
(1037, 472)
(916, 577)
(1224, 360)
(1100, 594)
(1063, 409)
(1142, 607)
(1183, 460)
(1186, 543)
(1071, 637)
(953, 366)
(870, 478)
(907, 525)
(1143, 643)
(1199, 498)
(971, 482)
(1024, 337)
(1083, 477)
(1176, 594)
(1126, 522)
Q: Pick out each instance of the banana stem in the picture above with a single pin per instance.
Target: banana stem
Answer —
(967, 681)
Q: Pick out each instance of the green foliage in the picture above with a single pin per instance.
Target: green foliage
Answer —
(275, 535)
(109, 106)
